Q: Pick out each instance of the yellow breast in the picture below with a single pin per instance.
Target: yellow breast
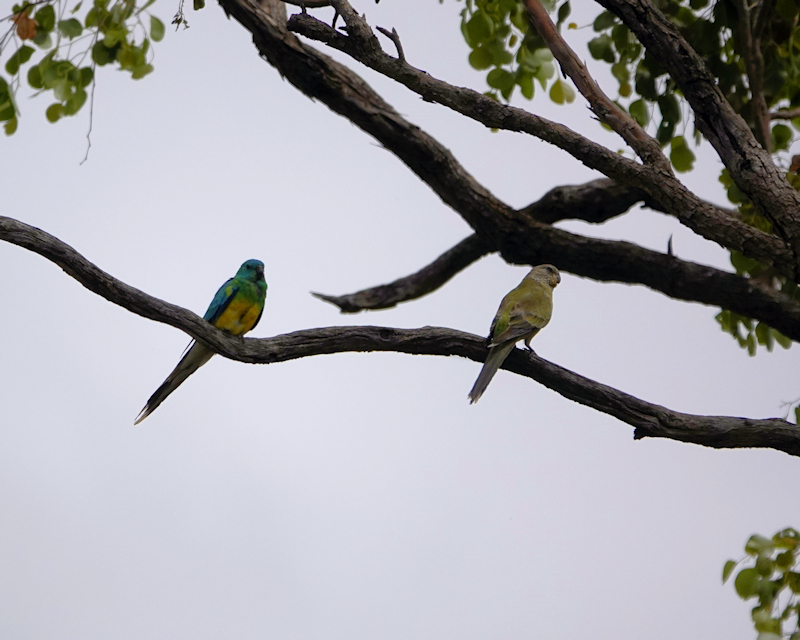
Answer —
(238, 318)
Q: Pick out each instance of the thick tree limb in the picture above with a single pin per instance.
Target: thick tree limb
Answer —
(519, 239)
(594, 201)
(672, 197)
(649, 420)
(749, 164)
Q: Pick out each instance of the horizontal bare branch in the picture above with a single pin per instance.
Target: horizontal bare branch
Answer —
(661, 185)
(649, 420)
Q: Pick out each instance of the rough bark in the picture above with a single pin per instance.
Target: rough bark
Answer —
(749, 164)
(595, 201)
(649, 420)
(661, 185)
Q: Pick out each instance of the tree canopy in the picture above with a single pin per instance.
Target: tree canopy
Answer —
(683, 72)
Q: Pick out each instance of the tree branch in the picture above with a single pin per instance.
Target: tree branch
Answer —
(603, 107)
(594, 201)
(671, 196)
(519, 239)
(749, 164)
(754, 62)
(416, 285)
(649, 420)
(785, 114)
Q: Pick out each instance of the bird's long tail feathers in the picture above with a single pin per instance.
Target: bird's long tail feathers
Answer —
(496, 357)
(195, 358)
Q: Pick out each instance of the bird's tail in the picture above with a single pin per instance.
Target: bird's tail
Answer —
(496, 357)
(195, 357)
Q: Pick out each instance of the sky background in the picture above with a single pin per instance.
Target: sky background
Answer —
(351, 496)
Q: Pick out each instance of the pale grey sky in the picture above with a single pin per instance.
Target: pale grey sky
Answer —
(354, 496)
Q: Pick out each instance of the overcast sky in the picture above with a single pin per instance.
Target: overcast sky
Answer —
(353, 496)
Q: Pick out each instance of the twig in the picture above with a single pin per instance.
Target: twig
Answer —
(394, 37)
(91, 115)
(416, 285)
(785, 114)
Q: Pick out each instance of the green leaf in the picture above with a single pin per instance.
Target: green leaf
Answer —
(680, 155)
(7, 111)
(500, 79)
(102, 54)
(561, 92)
(602, 48)
(42, 39)
(784, 560)
(46, 17)
(62, 89)
(620, 71)
(87, 75)
(751, 345)
(54, 112)
(525, 82)
(764, 565)
(759, 544)
(727, 570)
(563, 12)
(75, 102)
(199, 4)
(10, 127)
(781, 137)
(480, 58)
(605, 20)
(638, 111)
(141, 71)
(92, 18)
(71, 28)
(156, 29)
(479, 28)
(668, 105)
(20, 56)
(746, 583)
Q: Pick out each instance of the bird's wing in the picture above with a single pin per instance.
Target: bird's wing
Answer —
(221, 300)
(521, 316)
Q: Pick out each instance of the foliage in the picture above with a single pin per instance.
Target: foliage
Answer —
(68, 48)
(769, 576)
(502, 39)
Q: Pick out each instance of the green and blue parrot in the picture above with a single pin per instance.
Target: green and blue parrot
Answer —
(524, 312)
(236, 309)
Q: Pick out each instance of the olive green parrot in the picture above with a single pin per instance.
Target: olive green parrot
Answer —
(524, 312)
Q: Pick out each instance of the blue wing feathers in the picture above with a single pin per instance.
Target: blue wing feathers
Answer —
(221, 301)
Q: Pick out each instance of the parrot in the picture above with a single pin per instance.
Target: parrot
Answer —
(524, 312)
(236, 309)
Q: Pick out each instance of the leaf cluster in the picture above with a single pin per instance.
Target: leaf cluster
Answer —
(747, 332)
(769, 576)
(502, 40)
(71, 48)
